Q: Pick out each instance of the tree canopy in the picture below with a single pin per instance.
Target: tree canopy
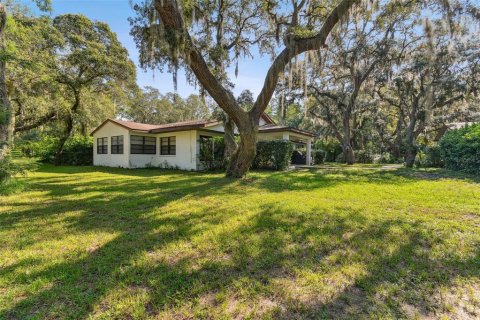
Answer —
(202, 36)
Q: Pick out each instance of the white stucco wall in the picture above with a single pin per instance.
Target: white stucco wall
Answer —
(111, 160)
(185, 157)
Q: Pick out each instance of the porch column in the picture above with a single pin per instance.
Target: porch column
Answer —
(309, 151)
(286, 136)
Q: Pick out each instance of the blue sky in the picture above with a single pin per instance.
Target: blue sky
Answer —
(116, 12)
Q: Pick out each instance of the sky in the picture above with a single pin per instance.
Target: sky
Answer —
(116, 12)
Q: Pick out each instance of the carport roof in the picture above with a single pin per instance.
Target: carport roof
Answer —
(276, 128)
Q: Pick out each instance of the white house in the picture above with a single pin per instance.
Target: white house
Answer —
(126, 144)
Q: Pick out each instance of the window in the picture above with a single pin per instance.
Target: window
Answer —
(143, 145)
(211, 148)
(168, 146)
(117, 145)
(102, 145)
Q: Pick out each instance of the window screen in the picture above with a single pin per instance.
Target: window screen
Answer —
(102, 145)
(168, 146)
(143, 145)
(117, 145)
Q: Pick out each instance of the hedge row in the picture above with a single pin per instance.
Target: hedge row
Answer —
(274, 154)
(460, 149)
(78, 150)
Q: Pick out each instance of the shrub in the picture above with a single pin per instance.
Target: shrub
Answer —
(389, 159)
(78, 150)
(339, 158)
(212, 153)
(8, 169)
(43, 148)
(429, 157)
(319, 156)
(460, 149)
(275, 154)
(363, 156)
(12, 186)
(332, 149)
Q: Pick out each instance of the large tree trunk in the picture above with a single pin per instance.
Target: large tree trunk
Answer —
(229, 138)
(243, 157)
(6, 112)
(396, 146)
(411, 151)
(63, 139)
(68, 130)
(348, 154)
(410, 156)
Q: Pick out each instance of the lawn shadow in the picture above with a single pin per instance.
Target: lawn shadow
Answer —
(264, 259)
(272, 253)
(325, 177)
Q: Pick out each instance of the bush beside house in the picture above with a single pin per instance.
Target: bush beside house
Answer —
(272, 155)
(78, 150)
(275, 154)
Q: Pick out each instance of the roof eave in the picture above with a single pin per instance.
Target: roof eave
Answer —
(105, 122)
(298, 131)
(174, 129)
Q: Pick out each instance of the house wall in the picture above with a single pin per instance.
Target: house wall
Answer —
(185, 157)
(111, 160)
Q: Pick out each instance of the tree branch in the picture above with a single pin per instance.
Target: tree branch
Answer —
(298, 46)
(39, 122)
(172, 20)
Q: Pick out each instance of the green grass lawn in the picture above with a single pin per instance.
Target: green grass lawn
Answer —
(336, 242)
